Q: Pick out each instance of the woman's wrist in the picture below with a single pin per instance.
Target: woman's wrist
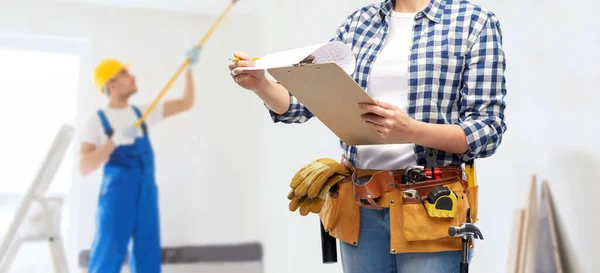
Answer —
(264, 86)
(446, 137)
(418, 131)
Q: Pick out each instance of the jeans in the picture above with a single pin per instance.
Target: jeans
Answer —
(372, 253)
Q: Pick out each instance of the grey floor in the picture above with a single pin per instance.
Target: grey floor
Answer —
(249, 255)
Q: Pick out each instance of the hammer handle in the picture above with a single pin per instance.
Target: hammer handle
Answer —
(328, 246)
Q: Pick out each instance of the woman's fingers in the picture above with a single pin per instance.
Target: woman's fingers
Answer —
(241, 70)
(245, 63)
(241, 55)
(237, 67)
(237, 64)
(373, 119)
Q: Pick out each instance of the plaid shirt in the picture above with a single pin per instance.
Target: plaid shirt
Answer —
(456, 72)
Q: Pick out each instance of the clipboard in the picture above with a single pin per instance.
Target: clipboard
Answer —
(333, 97)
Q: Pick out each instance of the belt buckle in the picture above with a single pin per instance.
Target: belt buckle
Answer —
(346, 163)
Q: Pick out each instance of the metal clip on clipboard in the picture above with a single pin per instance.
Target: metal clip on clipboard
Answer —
(310, 59)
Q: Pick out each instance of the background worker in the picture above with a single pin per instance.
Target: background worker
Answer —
(436, 70)
(128, 201)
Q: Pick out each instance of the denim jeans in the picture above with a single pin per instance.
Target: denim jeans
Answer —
(372, 253)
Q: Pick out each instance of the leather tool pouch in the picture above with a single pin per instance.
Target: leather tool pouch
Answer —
(417, 224)
(368, 188)
(340, 214)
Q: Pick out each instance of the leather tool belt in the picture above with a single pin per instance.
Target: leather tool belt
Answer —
(370, 186)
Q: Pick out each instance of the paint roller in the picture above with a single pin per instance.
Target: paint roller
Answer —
(183, 65)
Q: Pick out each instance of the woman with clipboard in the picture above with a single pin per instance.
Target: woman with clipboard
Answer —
(436, 71)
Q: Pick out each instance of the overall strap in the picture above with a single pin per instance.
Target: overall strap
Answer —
(139, 115)
(107, 129)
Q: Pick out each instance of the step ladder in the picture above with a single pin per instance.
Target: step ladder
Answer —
(38, 216)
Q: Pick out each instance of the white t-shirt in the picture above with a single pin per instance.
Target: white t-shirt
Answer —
(93, 132)
(388, 82)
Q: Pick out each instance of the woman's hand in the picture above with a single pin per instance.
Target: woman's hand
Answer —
(390, 122)
(254, 80)
(394, 125)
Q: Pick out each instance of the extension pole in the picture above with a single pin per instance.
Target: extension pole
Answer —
(183, 66)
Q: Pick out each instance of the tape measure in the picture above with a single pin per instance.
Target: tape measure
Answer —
(441, 203)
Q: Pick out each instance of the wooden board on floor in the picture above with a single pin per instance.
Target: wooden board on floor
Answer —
(527, 244)
(547, 258)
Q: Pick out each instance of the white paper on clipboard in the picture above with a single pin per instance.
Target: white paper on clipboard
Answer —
(335, 51)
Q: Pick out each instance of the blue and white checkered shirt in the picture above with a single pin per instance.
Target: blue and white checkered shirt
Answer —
(456, 72)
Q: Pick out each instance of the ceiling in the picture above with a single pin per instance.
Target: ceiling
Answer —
(209, 7)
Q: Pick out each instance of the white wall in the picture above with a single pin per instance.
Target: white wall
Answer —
(552, 80)
(205, 157)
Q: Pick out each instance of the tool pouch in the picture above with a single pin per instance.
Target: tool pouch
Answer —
(416, 223)
(340, 214)
(368, 189)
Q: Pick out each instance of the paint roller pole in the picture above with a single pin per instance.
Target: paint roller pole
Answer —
(328, 246)
(183, 65)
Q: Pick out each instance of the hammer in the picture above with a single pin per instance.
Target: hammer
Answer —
(465, 231)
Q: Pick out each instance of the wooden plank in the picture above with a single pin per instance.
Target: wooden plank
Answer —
(529, 229)
(514, 251)
(548, 257)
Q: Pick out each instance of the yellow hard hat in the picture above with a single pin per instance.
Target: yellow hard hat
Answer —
(105, 70)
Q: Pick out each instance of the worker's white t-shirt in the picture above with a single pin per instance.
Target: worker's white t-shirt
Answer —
(93, 132)
(388, 82)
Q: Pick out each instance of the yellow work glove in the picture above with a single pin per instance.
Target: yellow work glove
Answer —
(314, 205)
(310, 179)
(311, 184)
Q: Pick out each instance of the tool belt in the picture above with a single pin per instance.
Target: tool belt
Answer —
(371, 186)
(415, 225)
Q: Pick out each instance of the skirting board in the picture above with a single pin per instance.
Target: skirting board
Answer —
(241, 267)
(238, 253)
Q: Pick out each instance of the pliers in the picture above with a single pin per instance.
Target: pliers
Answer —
(414, 174)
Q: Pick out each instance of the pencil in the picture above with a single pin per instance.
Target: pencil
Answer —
(238, 59)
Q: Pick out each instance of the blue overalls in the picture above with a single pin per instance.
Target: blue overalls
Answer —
(127, 209)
